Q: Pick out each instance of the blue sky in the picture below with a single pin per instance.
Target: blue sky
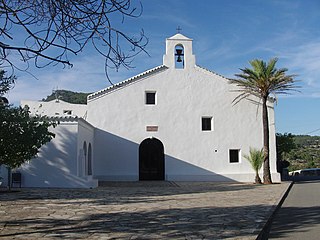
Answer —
(227, 34)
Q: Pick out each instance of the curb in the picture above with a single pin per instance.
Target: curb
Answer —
(264, 233)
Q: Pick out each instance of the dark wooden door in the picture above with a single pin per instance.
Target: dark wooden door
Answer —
(151, 160)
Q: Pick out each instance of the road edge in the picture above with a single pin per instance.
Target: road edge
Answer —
(264, 233)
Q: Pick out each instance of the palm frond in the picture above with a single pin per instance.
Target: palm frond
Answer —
(263, 79)
(255, 158)
(270, 69)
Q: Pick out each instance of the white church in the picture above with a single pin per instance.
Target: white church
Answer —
(174, 122)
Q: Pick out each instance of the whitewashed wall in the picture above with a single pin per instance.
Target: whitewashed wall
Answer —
(85, 135)
(183, 97)
(56, 164)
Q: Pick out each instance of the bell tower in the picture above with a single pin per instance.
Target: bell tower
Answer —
(179, 52)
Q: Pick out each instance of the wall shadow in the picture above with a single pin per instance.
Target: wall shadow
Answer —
(56, 164)
(117, 159)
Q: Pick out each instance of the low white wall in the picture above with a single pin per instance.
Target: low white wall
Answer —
(56, 164)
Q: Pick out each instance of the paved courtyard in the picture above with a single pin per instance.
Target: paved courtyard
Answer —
(141, 210)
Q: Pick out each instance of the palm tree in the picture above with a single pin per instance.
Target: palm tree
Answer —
(256, 159)
(262, 81)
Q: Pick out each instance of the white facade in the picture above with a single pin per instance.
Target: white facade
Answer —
(183, 96)
(179, 110)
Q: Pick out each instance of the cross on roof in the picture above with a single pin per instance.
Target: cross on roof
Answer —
(179, 29)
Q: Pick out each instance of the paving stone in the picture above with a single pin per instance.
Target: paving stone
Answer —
(140, 210)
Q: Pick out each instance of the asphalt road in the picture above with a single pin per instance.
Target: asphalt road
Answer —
(299, 215)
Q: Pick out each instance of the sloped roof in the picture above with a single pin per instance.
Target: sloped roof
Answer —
(127, 81)
(202, 69)
(179, 36)
(141, 76)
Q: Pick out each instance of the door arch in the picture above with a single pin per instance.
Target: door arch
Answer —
(89, 160)
(151, 160)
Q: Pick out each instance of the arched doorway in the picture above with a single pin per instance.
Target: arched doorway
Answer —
(151, 160)
(89, 160)
(83, 163)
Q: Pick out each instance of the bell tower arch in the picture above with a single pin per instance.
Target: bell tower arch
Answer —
(179, 52)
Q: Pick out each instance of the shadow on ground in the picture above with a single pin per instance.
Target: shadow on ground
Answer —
(126, 192)
(208, 222)
(301, 219)
(166, 210)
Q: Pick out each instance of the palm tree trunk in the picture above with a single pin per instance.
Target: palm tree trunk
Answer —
(266, 161)
(257, 179)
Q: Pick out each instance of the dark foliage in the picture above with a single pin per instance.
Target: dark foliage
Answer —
(285, 143)
(302, 151)
(6, 83)
(21, 136)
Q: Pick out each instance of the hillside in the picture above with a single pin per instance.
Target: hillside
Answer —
(68, 96)
(306, 153)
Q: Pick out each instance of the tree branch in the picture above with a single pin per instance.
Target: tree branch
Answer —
(53, 29)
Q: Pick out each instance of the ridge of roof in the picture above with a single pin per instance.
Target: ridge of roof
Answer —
(126, 82)
(210, 71)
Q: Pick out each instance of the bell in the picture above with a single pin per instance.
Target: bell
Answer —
(179, 54)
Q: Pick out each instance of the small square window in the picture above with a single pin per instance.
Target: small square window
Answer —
(151, 98)
(206, 123)
(234, 155)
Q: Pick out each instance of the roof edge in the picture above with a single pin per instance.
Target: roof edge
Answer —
(271, 99)
(211, 72)
(126, 82)
(179, 36)
(61, 118)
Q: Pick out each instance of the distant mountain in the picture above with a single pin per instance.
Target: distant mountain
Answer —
(68, 96)
(306, 154)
